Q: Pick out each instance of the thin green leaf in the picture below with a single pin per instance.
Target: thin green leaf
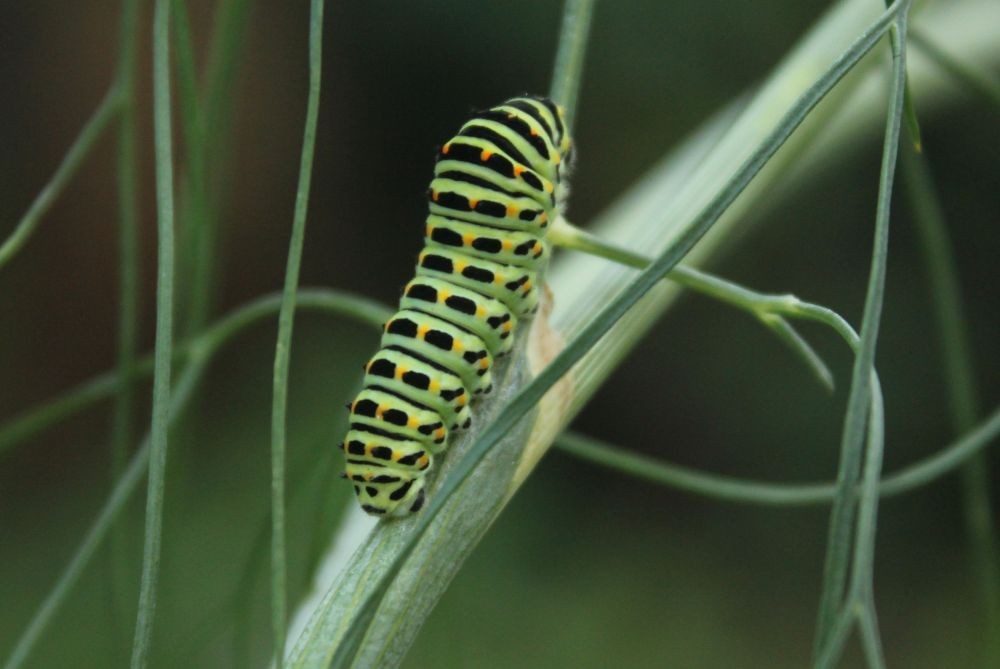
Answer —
(192, 222)
(730, 489)
(80, 149)
(761, 306)
(568, 71)
(714, 486)
(861, 393)
(941, 463)
(282, 354)
(801, 348)
(163, 347)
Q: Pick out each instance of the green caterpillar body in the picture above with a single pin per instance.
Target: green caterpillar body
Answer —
(496, 188)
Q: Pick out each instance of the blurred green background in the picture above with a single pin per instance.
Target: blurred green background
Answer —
(585, 568)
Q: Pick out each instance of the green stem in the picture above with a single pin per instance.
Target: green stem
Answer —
(861, 392)
(871, 640)
(163, 349)
(714, 486)
(192, 221)
(80, 149)
(282, 353)
(763, 307)
(568, 71)
(731, 489)
(963, 401)
(218, 98)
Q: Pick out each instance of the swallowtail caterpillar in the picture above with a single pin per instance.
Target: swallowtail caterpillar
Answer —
(497, 187)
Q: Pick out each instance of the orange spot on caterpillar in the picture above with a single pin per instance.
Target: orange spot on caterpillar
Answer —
(481, 312)
(435, 386)
(544, 217)
(506, 327)
(379, 410)
(549, 187)
(511, 211)
(422, 331)
(459, 265)
(443, 295)
(485, 155)
(439, 433)
(457, 345)
(527, 286)
(468, 239)
(484, 364)
(534, 133)
(462, 401)
(518, 170)
(400, 371)
(434, 195)
(446, 148)
(473, 203)
(412, 423)
(423, 461)
(506, 244)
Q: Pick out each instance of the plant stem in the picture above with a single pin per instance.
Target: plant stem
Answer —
(763, 307)
(731, 489)
(282, 354)
(81, 147)
(568, 71)
(163, 349)
(862, 392)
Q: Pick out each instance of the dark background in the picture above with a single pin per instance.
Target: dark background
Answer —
(586, 568)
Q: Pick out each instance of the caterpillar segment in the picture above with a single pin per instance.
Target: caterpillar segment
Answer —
(497, 187)
(448, 345)
(520, 249)
(423, 383)
(513, 286)
(486, 316)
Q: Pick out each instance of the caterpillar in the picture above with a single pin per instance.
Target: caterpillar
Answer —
(496, 188)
